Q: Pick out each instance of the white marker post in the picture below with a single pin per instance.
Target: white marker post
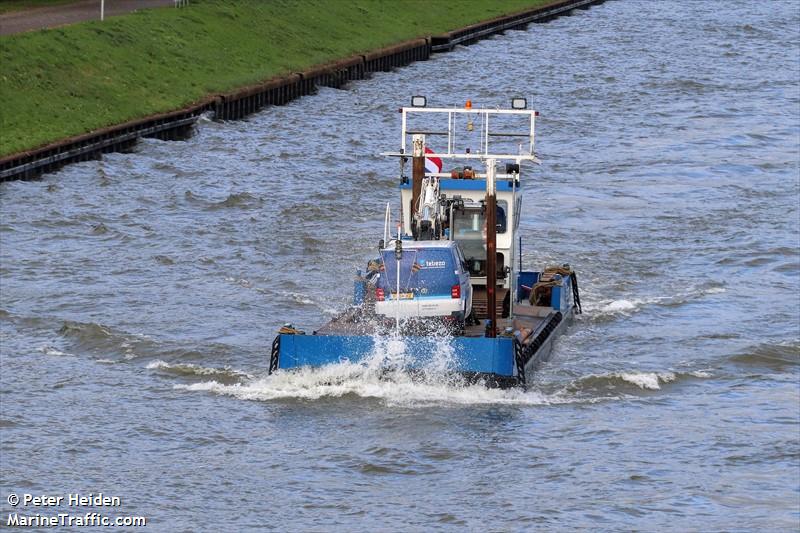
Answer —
(398, 254)
(102, 9)
(386, 222)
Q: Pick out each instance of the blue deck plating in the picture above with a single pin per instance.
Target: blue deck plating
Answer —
(470, 354)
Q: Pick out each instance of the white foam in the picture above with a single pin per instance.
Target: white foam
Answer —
(302, 298)
(647, 380)
(715, 290)
(190, 368)
(49, 350)
(618, 306)
(629, 306)
(313, 385)
(624, 306)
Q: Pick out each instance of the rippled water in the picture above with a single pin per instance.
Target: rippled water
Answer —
(140, 295)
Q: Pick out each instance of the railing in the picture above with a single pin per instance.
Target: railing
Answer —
(467, 117)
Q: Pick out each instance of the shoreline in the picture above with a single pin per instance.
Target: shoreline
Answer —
(278, 90)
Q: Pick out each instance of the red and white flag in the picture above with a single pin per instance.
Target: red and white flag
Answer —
(432, 164)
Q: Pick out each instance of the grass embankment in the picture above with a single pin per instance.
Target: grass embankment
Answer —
(70, 80)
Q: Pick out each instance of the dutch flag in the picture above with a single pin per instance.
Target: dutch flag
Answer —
(432, 164)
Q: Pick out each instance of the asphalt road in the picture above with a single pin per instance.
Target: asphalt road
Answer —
(62, 15)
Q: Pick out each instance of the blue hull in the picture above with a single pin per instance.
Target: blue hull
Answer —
(480, 355)
(501, 361)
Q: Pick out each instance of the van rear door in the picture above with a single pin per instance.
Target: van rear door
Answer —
(424, 272)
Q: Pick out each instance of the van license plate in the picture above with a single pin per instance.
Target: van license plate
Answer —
(404, 295)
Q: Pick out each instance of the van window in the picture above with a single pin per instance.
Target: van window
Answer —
(460, 257)
(424, 272)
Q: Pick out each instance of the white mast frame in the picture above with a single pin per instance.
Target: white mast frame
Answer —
(483, 152)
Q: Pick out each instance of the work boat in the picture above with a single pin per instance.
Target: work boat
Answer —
(451, 270)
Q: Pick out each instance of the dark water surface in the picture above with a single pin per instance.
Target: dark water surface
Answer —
(140, 295)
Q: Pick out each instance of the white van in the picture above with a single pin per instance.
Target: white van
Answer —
(434, 282)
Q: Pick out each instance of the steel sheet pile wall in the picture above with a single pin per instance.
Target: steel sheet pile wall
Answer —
(475, 32)
(168, 126)
(242, 102)
(245, 101)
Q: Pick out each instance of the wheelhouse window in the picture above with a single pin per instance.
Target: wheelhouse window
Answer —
(468, 230)
(468, 225)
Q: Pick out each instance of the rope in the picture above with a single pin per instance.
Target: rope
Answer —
(547, 280)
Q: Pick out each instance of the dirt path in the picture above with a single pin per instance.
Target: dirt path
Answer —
(61, 15)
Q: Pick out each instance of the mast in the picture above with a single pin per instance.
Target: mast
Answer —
(491, 248)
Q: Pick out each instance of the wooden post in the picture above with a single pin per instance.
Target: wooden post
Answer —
(491, 248)
(417, 174)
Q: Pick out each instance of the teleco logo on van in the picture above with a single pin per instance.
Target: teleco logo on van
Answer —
(434, 264)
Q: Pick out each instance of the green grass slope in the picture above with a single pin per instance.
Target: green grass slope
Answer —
(66, 81)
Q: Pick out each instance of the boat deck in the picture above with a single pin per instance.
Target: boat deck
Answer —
(526, 319)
